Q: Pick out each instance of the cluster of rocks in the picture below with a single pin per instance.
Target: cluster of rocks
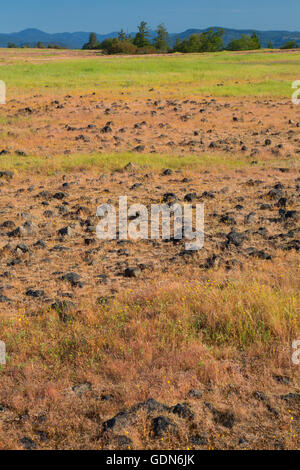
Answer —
(160, 125)
(52, 240)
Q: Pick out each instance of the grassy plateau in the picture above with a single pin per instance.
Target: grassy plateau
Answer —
(212, 331)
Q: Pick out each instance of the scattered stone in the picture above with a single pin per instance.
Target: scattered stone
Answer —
(122, 442)
(119, 422)
(291, 397)
(132, 272)
(236, 238)
(195, 393)
(190, 197)
(225, 418)
(199, 440)
(66, 231)
(169, 198)
(27, 443)
(183, 410)
(82, 389)
(7, 174)
(162, 425)
(73, 278)
(35, 293)
(282, 379)
(151, 406)
(260, 396)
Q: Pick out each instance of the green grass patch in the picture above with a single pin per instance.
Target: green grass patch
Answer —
(223, 74)
(117, 161)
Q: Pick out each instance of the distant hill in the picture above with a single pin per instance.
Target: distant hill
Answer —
(33, 36)
(277, 37)
(76, 40)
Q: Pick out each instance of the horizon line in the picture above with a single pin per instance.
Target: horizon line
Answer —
(152, 30)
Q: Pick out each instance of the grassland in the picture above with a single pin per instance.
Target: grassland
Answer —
(220, 322)
(220, 74)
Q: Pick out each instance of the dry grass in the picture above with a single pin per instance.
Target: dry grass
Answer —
(227, 338)
(179, 327)
(226, 330)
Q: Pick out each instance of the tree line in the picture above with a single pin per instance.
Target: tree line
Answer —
(208, 41)
(38, 45)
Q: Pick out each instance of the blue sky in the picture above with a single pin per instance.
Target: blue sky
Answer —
(105, 16)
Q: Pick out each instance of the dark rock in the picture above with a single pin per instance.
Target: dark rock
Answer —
(7, 174)
(40, 244)
(43, 436)
(265, 207)
(275, 194)
(60, 195)
(27, 443)
(119, 421)
(282, 202)
(282, 379)
(198, 440)
(22, 247)
(25, 230)
(225, 418)
(289, 214)
(136, 186)
(182, 410)
(66, 231)
(8, 224)
(106, 130)
(35, 293)
(236, 238)
(195, 393)
(139, 148)
(227, 219)
(107, 397)
(162, 425)
(260, 396)
(82, 389)
(292, 245)
(291, 397)
(272, 410)
(73, 278)
(258, 253)
(208, 195)
(63, 308)
(121, 442)
(150, 406)
(250, 218)
(132, 272)
(212, 262)
(242, 441)
(190, 197)
(169, 198)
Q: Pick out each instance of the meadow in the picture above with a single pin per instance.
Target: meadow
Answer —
(207, 336)
(219, 74)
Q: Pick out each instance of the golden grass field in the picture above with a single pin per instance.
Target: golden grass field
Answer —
(211, 331)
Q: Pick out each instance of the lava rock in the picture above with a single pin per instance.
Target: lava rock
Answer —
(162, 425)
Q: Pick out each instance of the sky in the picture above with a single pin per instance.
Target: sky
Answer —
(104, 16)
